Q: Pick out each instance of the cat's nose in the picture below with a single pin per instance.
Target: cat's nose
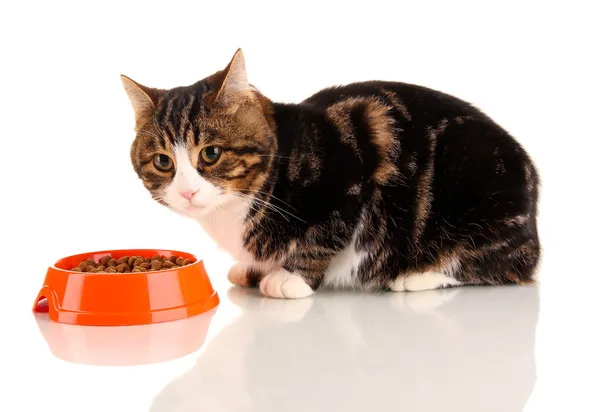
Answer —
(188, 195)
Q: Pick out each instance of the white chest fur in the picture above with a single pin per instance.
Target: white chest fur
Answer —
(342, 271)
(225, 226)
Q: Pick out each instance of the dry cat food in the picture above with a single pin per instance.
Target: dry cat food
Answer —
(132, 264)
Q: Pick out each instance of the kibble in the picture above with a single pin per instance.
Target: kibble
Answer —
(168, 264)
(123, 268)
(132, 264)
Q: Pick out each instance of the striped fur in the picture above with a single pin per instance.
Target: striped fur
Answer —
(361, 185)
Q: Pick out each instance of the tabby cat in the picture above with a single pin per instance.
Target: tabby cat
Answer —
(375, 185)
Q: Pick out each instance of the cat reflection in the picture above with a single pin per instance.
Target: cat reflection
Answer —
(441, 350)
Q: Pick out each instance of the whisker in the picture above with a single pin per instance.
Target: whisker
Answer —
(234, 213)
(277, 209)
(268, 206)
(248, 202)
(270, 195)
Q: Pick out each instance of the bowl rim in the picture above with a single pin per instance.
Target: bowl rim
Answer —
(112, 275)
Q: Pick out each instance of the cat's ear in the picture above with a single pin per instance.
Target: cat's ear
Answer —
(234, 81)
(143, 99)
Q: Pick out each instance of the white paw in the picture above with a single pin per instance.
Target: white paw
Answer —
(428, 281)
(397, 285)
(283, 284)
(238, 275)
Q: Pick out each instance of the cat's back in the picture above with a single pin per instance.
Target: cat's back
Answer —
(416, 103)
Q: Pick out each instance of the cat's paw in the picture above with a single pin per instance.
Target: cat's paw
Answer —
(397, 285)
(428, 281)
(285, 285)
(422, 281)
(238, 275)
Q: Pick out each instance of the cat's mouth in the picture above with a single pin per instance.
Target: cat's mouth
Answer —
(190, 210)
(195, 208)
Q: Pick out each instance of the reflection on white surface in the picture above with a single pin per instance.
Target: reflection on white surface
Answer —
(465, 349)
(125, 345)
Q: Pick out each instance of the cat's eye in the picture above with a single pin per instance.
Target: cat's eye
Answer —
(210, 154)
(163, 162)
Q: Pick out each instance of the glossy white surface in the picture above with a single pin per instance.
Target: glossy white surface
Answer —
(463, 349)
(427, 351)
(68, 187)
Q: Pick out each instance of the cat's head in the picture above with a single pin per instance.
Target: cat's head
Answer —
(201, 146)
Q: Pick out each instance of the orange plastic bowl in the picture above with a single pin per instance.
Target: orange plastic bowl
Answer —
(113, 299)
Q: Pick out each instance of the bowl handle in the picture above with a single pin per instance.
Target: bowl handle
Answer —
(49, 306)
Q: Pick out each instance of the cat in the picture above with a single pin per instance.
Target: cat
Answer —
(373, 186)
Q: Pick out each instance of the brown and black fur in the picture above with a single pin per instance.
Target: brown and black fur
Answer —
(421, 179)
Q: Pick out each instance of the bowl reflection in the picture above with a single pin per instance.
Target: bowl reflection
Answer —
(125, 345)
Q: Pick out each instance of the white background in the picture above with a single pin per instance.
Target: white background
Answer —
(68, 186)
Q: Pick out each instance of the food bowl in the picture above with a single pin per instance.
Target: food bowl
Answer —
(119, 299)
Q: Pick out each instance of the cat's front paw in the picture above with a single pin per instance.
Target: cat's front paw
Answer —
(285, 285)
(238, 275)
